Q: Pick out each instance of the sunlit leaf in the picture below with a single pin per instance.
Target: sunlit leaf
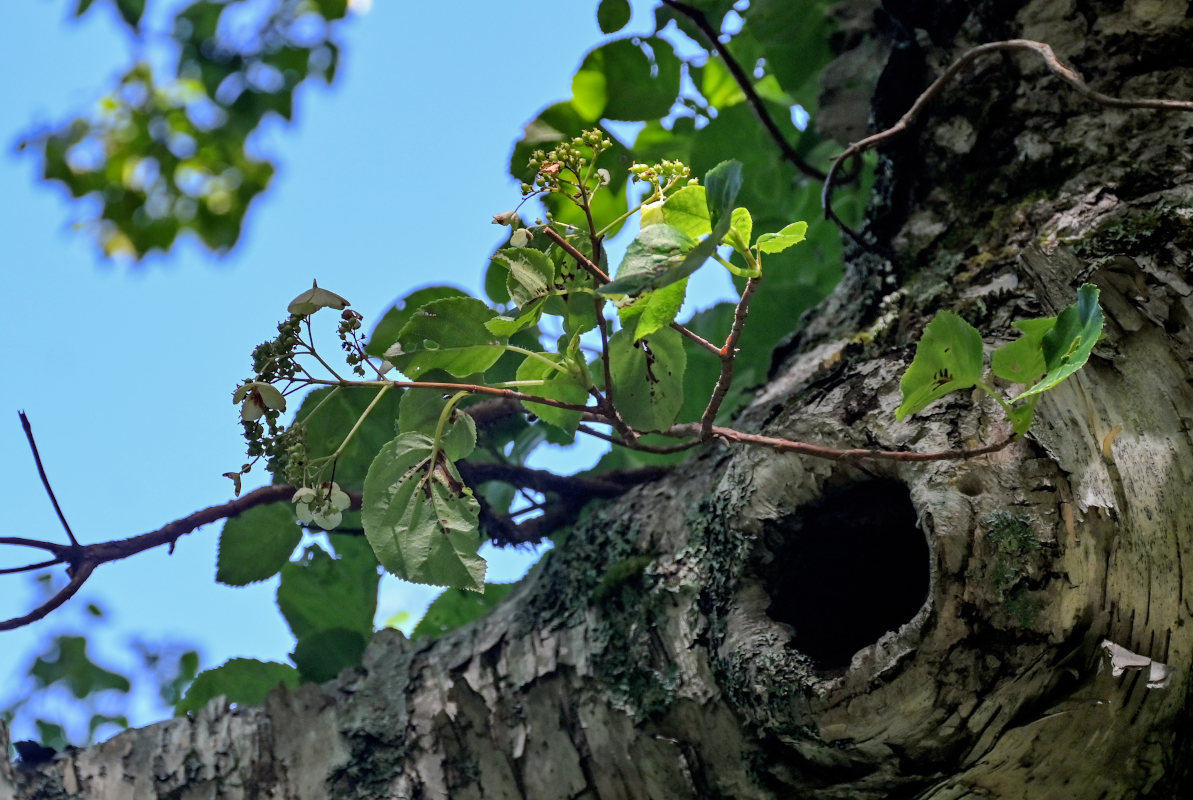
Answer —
(1066, 347)
(790, 235)
(386, 331)
(420, 519)
(948, 358)
(450, 335)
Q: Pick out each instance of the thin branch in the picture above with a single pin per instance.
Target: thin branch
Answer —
(1050, 59)
(81, 573)
(637, 444)
(30, 567)
(838, 454)
(44, 480)
(746, 85)
(728, 356)
(472, 388)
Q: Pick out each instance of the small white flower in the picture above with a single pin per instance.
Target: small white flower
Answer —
(603, 174)
(325, 506)
(257, 397)
(314, 299)
(520, 238)
(505, 218)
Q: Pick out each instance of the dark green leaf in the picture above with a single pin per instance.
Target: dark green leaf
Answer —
(565, 387)
(419, 413)
(647, 377)
(449, 335)
(70, 665)
(948, 358)
(131, 11)
(721, 185)
(386, 331)
(455, 608)
(255, 545)
(326, 431)
(321, 656)
(613, 15)
(243, 681)
(627, 79)
(320, 592)
(421, 520)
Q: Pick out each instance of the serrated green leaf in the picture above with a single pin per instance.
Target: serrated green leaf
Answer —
(504, 327)
(613, 15)
(455, 608)
(686, 210)
(792, 234)
(741, 228)
(655, 310)
(564, 387)
(450, 335)
(647, 377)
(319, 592)
(255, 545)
(531, 273)
(1022, 361)
(419, 413)
(323, 654)
(948, 358)
(424, 531)
(244, 681)
(1067, 346)
(653, 260)
(387, 329)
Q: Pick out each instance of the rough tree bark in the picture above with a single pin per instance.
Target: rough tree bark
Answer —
(769, 626)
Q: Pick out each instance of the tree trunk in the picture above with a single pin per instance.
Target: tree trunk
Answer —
(764, 625)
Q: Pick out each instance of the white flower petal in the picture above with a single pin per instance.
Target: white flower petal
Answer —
(314, 299)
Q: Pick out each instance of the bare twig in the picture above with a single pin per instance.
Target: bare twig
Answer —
(728, 356)
(743, 81)
(41, 471)
(508, 394)
(1050, 59)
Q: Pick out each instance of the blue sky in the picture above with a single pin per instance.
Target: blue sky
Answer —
(386, 181)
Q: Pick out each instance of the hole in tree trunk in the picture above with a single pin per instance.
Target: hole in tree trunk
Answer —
(845, 570)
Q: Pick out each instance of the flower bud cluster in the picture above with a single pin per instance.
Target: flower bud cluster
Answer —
(350, 322)
(572, 155)
(664, 172)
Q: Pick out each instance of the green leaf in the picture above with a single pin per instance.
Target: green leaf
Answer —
(792, 234)
(504, 327)
(741, 228)
(322, 655)
(627, 79)
(613, 15)
(319, 592)
(455, 608)
(450, 335)
(1022, 414)
(948, 358)
(647, 377)
(564, 387)
(419, 413)
(82, 6)
(255, 545)
(1022, 361)
(131, 11)
(69, 664)
(244, 681)
(686, 210)
(326, 431)
(653, 260)
(391, 324)
(424, 527)
(721, 184)
(718, 85)
(531, 273)
(656, 309)
(1067, 346)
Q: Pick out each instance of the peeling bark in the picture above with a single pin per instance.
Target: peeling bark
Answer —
(664, 650)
